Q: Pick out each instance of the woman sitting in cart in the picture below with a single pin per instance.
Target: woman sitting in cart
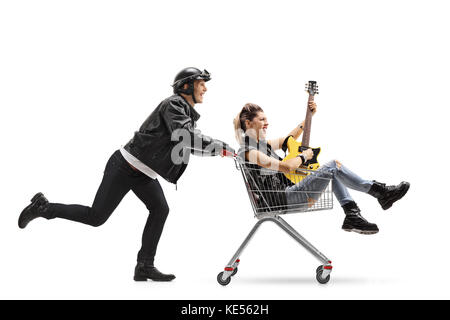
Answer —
(251, 126)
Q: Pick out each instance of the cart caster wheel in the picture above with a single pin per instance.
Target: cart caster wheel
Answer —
(235, 270)
(223, 282)
(319, 276)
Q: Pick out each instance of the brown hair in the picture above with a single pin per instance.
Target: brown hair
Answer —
(248, 112)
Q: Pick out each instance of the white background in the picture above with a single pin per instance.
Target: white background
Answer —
(77, 78)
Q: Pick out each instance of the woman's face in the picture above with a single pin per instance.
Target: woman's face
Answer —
(258, 126)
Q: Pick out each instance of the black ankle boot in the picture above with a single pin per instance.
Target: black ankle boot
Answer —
(37, 208)
(142, 272)
(355, 222)
(387, 195)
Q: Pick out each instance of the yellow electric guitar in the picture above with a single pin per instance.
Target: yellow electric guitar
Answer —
(295, 148)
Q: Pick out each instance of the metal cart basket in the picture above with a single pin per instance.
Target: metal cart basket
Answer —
(270, 199)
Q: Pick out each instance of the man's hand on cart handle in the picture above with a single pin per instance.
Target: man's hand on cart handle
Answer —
(228, 151)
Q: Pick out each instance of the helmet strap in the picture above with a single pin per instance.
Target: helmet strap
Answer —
(191, 90)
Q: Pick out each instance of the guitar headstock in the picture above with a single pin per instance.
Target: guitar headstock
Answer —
(312, 88)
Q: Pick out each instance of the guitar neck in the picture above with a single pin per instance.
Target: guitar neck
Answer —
(307, 125)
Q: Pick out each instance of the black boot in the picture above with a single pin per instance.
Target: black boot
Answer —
(37, 208)
(387, 195)
(142, 272)
(355, 222)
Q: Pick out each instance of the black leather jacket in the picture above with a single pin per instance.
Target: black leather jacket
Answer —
(164, 139)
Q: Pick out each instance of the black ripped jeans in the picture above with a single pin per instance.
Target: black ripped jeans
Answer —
(119, 178)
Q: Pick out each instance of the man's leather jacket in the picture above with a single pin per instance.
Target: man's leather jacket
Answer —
(168, 136)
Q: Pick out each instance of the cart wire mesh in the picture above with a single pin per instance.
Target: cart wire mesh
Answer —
(271, 192)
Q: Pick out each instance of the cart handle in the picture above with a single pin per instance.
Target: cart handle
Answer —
(226, 153)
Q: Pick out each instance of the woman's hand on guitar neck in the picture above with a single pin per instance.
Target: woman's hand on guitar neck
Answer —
(312, 106)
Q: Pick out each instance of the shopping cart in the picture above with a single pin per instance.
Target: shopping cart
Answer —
(270, 200)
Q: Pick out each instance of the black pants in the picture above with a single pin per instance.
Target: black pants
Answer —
(118, 179)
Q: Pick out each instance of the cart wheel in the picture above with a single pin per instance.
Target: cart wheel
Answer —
(235, 270)
(223, 282)
(319, 276)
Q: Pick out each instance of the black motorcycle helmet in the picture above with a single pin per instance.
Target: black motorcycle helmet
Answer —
(188, 75)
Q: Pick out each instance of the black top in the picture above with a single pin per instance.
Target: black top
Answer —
(155, 142)
(269, 182)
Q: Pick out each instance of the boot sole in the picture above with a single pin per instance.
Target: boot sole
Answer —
(144, 279)
(392, 201)
(361, 231)
(140, 278)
